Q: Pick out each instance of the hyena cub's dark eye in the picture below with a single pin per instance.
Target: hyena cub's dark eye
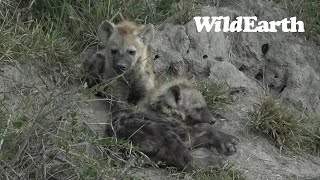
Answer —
(132, 52)
(199, 109)
(114, 51)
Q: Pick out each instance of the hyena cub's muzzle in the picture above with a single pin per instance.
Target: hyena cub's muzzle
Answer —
(206, 116)
(201, 116)
(122, 62)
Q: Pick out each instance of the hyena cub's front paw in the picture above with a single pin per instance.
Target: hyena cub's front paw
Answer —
(227, 144)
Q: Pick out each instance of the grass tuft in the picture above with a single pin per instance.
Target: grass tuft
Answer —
(216, 95)
(284, 126)
(225, 172)
(44, 136)
(218, 173)
(79, 19)
(187, 9)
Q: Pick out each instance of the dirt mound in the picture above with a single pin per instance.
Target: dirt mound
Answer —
(254, 63)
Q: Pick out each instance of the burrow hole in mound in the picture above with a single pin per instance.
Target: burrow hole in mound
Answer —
(172, 70)
(156, 57)
(205, 56)
(219, 58)
(259, 75)
(243, 68)
(271, 86)
(265, 48)
(282, 89)
(207, 71)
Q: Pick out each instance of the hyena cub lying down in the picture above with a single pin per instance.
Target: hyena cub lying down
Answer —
(160, 132)
(125, 58)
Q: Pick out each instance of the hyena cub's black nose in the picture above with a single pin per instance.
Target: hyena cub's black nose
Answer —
(122, 67)
(213, 120)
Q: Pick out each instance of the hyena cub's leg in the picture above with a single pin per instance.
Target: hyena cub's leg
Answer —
(94, 69)
(155, 139)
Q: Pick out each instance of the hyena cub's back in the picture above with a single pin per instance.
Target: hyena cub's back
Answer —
(127, 54)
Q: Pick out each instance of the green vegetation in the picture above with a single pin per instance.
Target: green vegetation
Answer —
(285, 127)
(225, 172)
(79, 19)
(308, 11)
(43, 139)
(216, 95)
(61, 29)
(217, 173)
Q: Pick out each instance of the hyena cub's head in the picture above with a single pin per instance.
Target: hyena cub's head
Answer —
(181, 98)
(125, 43)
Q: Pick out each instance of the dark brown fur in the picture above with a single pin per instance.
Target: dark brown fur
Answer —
(161, 131)
(93, 66)
(168, 139)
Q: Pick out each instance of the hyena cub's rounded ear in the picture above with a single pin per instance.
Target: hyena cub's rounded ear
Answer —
(173, 95)
(146, 33)
(105, 30)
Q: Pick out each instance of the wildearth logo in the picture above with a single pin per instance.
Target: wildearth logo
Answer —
(247, 24)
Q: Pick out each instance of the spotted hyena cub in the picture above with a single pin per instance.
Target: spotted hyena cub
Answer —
(126, 57)
(160, 132)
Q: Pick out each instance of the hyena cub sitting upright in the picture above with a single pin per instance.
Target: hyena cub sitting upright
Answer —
(162, 135)
(125, 56)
